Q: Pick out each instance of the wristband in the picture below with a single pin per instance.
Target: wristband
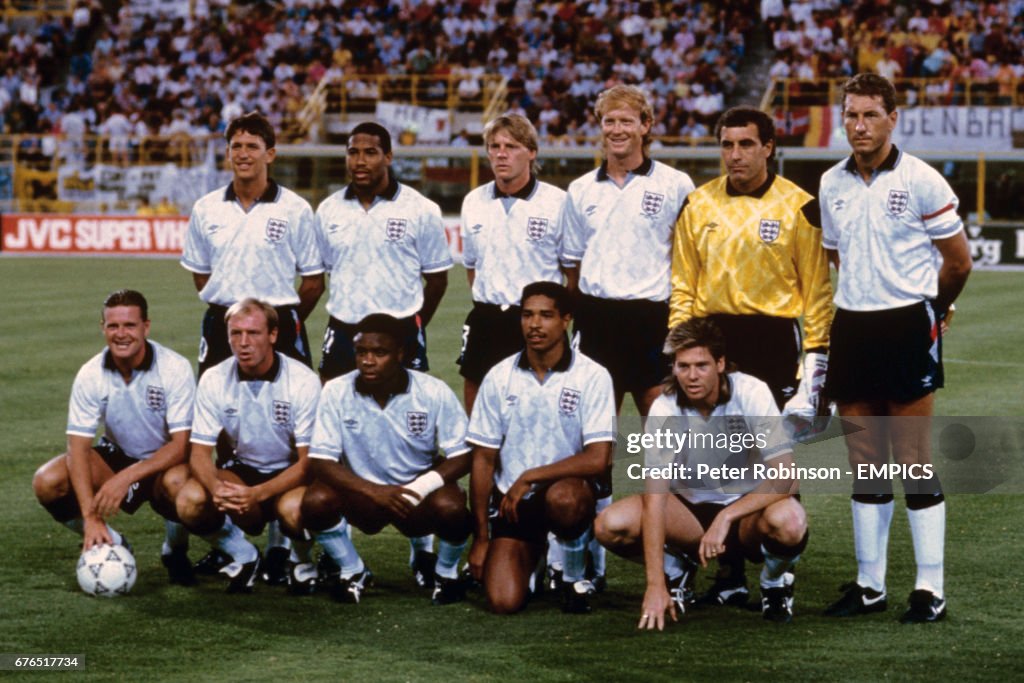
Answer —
(424, 485)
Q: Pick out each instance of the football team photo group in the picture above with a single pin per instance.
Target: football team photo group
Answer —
(631, 286)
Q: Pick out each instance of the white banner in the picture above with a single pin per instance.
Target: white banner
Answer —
(954, 129)
(429, 126)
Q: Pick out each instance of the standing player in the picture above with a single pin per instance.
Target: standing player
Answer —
(891, 227)
(617, 246)
(142, 393)
(542, 430)
(510, 237)
(748, 255)
(266, 404)
(711, 516)
(384, 246)
(375, 462)
(249, 239)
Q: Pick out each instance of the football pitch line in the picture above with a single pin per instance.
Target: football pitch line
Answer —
(987, 363)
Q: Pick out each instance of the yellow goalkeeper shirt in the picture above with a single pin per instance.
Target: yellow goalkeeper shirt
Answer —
(752, 254)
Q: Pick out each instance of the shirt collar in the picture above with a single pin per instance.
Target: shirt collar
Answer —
(522, 193)
(146, 364)
(268, 376)
(643, 169)
(562, 365)
(401, 386)
(756, 193)
(390, 192)
(269, 195)
(887, 165)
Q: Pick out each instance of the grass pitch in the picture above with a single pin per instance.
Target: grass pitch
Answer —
(50, 327)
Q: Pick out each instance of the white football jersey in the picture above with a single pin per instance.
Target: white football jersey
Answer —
(138, 416)
(251, 254)
(621, 238)
(749, 415)
(396, 443)
(511, 241)
(883, 231)
(534, 423)
(376, 257)
(265, 420)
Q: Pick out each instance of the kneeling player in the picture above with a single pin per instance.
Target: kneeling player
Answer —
(266, 403)
(375, 462)
(543, 428)
(142, 392)
(713, 516)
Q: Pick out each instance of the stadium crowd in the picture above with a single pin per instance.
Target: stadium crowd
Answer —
(125, 75)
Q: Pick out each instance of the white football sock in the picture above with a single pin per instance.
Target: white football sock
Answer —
(928, 531)
(598, 554)
(871, 542)
(574, 555)
(673, 566)
(276, 537)
(420, 543)
(556, 559)
(337, 542)
(773, 573)
(175, 538)
(448, 555)
(230, 540)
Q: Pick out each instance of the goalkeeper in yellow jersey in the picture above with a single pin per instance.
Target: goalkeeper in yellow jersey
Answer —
(748, 255)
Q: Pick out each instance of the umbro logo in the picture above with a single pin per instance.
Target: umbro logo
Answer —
(476, 228)
(710, 225)
(511, 400)
(231, 411)
(590, 210)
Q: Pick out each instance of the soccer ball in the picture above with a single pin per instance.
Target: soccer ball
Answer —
(107, 570)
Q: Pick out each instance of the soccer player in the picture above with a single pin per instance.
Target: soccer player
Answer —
(249, 239)
(266, 404)
(384, 246)
(712, 515)
(748, 255)
(542, 429)
(618, 224)
(511, 237)
(891, 227)
(142, 393)
(375, 462)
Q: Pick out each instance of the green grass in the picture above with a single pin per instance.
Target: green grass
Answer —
(49, 327)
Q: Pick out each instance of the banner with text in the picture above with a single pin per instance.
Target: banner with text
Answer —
(48, 234)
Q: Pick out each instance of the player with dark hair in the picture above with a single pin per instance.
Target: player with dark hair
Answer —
(709, 516)
(249, 239)
(510, 237)
(375, 462)
(748, 255)
(142, 393)
(384, 246)
(266, 404)
(891, 228)
(542, 430)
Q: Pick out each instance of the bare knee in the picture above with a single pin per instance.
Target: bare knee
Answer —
(289, 512)
(616, 527)
(452, 518)
(786, 522)
(569, 506)
(51, 482)
(192, 502)
(320, 507)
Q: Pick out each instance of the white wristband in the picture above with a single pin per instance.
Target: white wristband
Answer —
(424, 485)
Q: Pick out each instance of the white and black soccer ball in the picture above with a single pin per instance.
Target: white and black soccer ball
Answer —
(107, 570)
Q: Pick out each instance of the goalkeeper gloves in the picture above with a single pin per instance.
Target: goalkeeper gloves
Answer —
(807, 400)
